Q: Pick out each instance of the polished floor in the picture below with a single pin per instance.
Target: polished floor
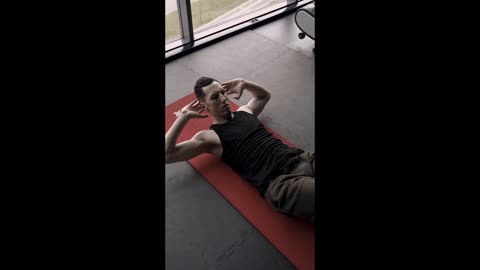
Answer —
(202, 230)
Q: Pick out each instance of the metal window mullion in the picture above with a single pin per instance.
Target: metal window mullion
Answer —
(185, 16)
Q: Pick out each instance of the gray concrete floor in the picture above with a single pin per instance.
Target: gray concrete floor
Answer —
(202, 230)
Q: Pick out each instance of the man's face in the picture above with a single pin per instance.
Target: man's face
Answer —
(216, 100)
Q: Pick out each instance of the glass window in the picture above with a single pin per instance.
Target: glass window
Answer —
(172, 21)
(209, 17)
(209, 13)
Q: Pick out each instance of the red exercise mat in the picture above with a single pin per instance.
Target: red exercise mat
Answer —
(292, 237)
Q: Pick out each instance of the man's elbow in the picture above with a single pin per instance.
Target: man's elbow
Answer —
(169, 157)
(265, 96)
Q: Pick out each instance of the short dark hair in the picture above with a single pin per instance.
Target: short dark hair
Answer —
(202, 82)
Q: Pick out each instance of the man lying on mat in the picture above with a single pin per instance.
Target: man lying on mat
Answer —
(285, 176)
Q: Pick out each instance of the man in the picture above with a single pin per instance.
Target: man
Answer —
(285, 176)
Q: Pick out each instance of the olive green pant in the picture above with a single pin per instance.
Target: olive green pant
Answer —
(293, 193)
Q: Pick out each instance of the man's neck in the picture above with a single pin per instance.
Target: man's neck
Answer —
(221, 120)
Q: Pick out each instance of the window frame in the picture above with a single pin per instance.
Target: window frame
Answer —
(190, 40)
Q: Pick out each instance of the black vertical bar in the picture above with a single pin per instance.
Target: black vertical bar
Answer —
(185, 15)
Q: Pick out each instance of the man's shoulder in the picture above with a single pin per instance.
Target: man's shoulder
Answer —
(208, 135)
(244, 108)
(211, 139)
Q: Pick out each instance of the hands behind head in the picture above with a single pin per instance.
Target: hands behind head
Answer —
(193, 110)
(235, 86)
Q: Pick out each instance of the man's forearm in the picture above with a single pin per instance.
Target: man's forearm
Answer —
(256, 90)
(174, 132)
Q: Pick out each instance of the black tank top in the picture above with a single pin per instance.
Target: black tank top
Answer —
(251, 150)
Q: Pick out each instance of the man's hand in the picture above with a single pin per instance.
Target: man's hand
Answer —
(235, 86)
(192, 110)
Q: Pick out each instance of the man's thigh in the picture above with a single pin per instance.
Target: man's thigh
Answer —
(292, 194)
(306, 166)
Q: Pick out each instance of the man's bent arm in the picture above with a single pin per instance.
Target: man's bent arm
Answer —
(260, 97)
(174, 132)
(187, 149)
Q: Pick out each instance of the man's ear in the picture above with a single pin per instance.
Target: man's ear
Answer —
(206, 108)
(203, 103)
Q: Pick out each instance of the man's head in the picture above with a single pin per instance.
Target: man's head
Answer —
(210, 93)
